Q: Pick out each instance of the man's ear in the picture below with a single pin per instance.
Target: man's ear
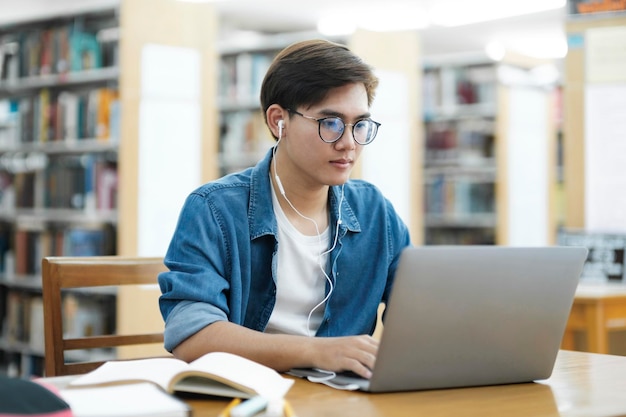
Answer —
(275, 118)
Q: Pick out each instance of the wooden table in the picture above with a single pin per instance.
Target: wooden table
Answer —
(598, 310)
(582, 384)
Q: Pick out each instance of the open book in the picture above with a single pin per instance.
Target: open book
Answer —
(136, 400)
(216, 373)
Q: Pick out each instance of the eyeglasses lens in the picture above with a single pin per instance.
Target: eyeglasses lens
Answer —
(364, 131)
(331, 129)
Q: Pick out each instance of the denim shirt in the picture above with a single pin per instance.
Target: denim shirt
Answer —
(222, 263)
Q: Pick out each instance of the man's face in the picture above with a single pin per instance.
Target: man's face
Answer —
(316, 162)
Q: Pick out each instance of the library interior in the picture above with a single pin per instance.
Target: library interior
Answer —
(501, 126)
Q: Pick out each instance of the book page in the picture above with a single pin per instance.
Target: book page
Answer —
(213, 387)
(157, 370)
(240, 371)
(134, 400)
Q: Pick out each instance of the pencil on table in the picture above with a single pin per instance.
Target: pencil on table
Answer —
(226, 411)
(289, 410)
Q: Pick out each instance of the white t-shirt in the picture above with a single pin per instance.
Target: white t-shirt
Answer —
(301, 283)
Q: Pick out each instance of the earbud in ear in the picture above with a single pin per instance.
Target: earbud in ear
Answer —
(281, 124)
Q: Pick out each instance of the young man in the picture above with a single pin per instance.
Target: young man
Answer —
(264, 259)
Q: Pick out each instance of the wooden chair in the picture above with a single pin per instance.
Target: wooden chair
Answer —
(62, 273)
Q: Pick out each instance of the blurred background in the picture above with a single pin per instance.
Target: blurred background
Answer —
(502, 124)
(446, 26)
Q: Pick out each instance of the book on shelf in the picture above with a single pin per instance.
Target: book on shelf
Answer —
(5, 248)
(15, 323)
(83, 241)
(216, 373)
(22, 332)
(104, 109)
(35, 326)
(24, 186)
(459, 195)
(84, 182)
(241, 76)
(28, 250)
(8, 122)
(84, 51)
(50, 115)
(106, 186)
(447, 87)
(250, 70)
(9, 68)
(52, 50)
(87, 315)
(25, 117)
(66, 182)
(244, 140)
(31, 244)
(67, 116)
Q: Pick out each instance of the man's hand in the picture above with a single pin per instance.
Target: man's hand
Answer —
(283, 352)
(349, 353)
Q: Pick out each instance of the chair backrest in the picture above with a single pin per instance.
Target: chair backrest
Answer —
(62, 273)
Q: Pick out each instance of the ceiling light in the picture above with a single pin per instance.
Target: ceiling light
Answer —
(396, 17)
(546, 45)
(464, 13)
(335, 26)
(495, 50)
(393, 18)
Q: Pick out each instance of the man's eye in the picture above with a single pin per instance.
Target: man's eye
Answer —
(335, 124)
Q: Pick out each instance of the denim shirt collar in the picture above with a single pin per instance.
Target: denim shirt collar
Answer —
(261, 212)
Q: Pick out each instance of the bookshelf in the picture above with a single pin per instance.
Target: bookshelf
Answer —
(71, 174)
(59, 137)
(488, 153)
(244, 138)
(459, 158)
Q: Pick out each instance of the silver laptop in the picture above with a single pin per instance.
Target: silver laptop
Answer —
(463, 316)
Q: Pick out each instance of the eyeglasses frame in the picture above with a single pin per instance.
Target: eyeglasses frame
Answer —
(319, 126)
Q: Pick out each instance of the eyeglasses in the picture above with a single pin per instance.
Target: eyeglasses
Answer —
(332, 128)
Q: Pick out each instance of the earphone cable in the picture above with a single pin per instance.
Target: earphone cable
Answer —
(319, 235)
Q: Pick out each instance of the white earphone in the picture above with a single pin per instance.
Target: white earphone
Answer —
(281, 125)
